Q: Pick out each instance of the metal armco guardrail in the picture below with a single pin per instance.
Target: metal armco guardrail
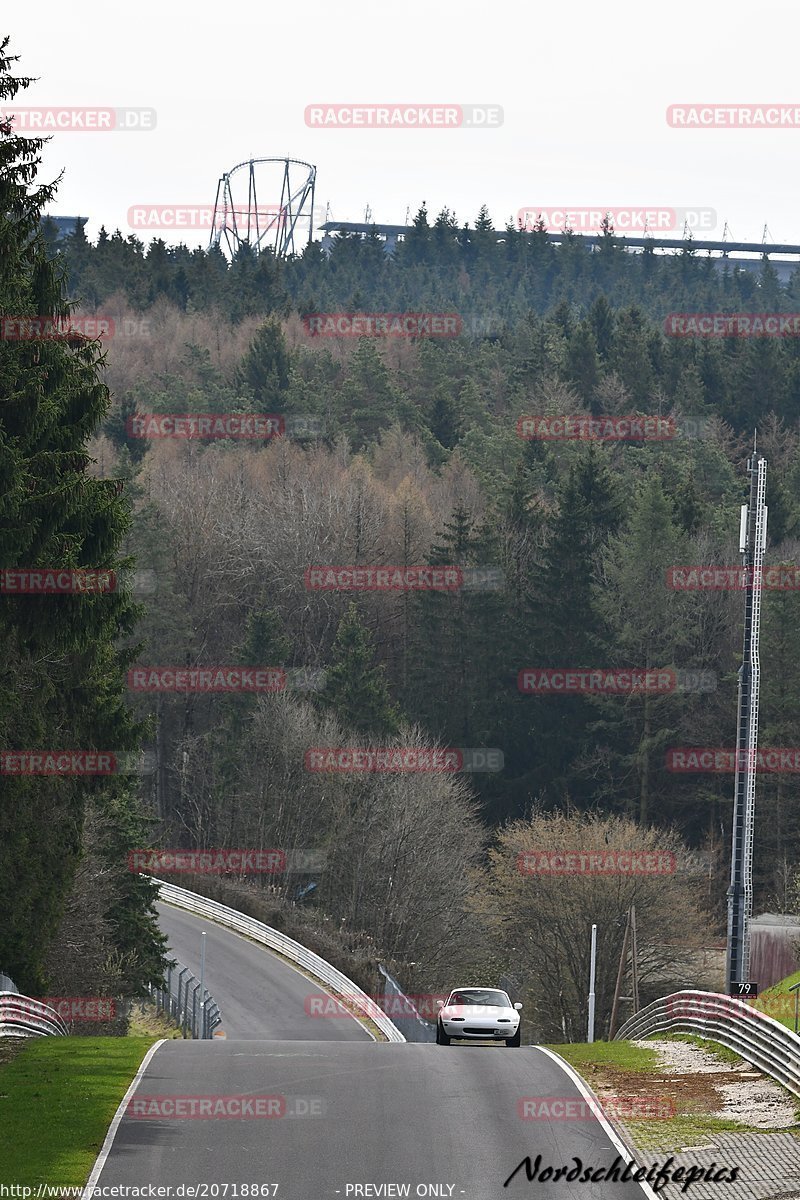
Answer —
(170, 893)
(755, 1037)
(22, 1017)
(413, 1027)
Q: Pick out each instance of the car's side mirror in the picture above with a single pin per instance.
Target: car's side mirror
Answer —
(440, 1003)
(518, 1006)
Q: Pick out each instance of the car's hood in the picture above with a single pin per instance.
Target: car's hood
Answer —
(476, 1012)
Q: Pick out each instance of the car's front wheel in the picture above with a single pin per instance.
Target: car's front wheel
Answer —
(441, 1037)
(515, 1040)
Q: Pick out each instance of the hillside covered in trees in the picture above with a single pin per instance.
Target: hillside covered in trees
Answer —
(407, 451)
(398, 451)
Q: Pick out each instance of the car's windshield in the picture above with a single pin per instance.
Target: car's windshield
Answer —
(480, 996)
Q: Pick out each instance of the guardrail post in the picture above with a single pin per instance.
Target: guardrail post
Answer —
(181, 1016)
(185, 1016)
(213, 1017)
(169, 991)
(194, 1009)
(202, 963)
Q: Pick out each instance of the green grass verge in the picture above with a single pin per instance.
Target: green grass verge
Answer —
(616, 1054)
(683, 1131)
(57, 1099)
(146, 1021)
(778, 1001)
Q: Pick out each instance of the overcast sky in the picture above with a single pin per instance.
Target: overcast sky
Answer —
(584, 91)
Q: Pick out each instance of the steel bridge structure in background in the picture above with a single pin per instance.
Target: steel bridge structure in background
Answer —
(724, 253)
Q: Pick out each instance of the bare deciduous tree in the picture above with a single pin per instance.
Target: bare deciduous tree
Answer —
(543, 921)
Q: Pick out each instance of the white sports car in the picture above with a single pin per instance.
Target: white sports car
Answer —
(478, 1014)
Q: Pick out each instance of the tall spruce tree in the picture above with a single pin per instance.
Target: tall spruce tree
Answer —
(355, 688)
(777, 839)
(62, 678)
(565, 624)
(458, 653)
(367, 397)
(264, 370)
(649, 630)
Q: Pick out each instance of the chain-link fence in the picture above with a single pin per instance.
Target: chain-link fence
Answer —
(181, 1002)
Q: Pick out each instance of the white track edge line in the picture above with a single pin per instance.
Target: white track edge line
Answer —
(588, 1094)
(105, 1149)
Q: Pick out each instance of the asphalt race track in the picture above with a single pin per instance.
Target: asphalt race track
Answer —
(331, 1113)
(259, 995)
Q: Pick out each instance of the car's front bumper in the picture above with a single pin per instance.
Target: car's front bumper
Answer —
(454, 1029)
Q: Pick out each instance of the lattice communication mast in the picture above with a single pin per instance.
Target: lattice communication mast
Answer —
(752, 544)
(266, 202)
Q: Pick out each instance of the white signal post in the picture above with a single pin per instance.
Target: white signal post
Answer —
(202, 984)
(593, 961)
